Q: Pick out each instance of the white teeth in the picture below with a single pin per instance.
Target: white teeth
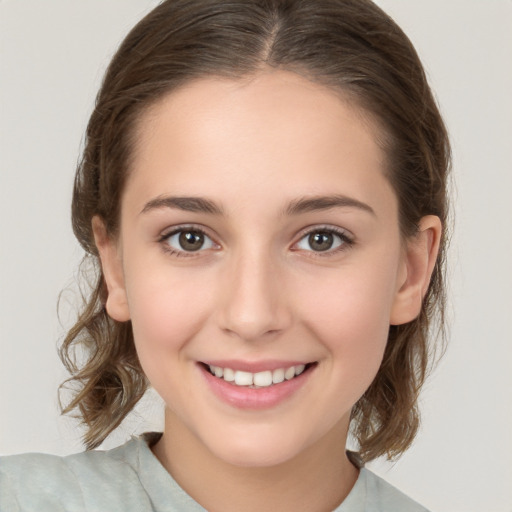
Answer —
(278, 375)
(263, 379)
(229, 375)
(243, 378)
(289, 373)
(259, 379)
(217, 371)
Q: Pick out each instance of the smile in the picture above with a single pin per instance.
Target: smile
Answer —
(256, 380)
(269, 384)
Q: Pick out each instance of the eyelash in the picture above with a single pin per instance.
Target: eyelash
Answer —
(346, 242)
(163, 240)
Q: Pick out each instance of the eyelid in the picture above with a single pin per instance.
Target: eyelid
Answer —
(347, 239)
(169, 232)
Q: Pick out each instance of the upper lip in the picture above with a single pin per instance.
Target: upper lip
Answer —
(254, 366)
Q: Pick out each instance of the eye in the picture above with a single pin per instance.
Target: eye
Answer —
(188, 240)
(324, 240)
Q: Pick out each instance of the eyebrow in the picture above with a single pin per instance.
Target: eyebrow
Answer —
(317, 203)
(188, 204)
(298, 206)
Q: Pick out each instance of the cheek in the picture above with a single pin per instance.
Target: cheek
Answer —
(349, 313)
(350, 318)
(167, 309)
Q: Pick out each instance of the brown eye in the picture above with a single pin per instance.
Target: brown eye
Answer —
(324, 240)
(188, 240)
(321, 241)
(191, 240)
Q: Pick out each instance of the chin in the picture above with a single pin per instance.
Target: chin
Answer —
(255, 457)
(258, 450)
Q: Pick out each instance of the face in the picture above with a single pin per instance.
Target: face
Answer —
(260, 262)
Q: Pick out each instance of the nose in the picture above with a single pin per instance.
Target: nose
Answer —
(253, 301)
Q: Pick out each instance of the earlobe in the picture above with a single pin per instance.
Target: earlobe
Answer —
(420, 258)
(111, 264)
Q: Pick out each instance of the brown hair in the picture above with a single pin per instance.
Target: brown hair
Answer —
(350, 45)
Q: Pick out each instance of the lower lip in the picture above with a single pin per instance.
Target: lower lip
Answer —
(243, 397)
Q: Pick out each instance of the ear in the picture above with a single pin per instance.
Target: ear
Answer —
(419, 260)
(111, 264)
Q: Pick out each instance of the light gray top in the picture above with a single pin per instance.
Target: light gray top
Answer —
(131, 479)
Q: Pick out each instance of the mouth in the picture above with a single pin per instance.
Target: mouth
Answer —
(258, 380)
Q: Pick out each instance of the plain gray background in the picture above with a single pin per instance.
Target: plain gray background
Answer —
(53, 54)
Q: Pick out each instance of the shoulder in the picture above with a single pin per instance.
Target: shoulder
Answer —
(371, 493)
(85, 481)
(380, 495)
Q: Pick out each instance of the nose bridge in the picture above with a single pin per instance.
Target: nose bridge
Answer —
(254, 302)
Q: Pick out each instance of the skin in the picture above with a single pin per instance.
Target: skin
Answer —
(258, 291)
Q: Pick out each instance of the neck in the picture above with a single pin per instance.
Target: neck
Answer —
(323, 470)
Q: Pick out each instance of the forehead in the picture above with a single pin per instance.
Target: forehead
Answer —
(273, 129)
